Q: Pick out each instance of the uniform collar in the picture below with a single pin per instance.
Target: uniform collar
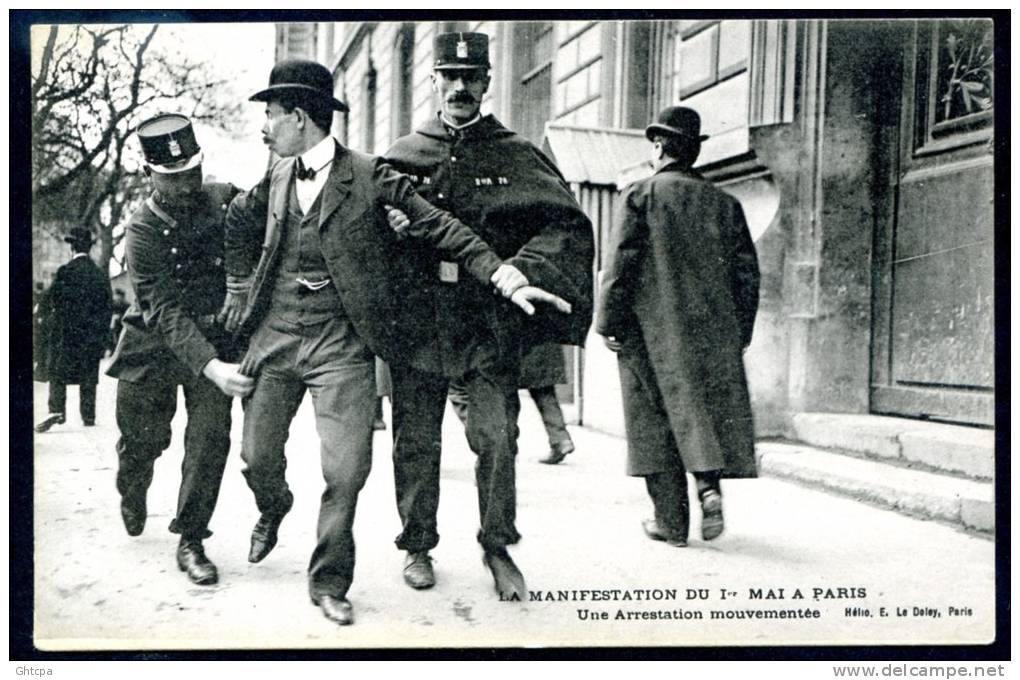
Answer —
(459, 128)
(320, 155)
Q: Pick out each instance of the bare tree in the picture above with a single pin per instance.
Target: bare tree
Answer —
(92, 87)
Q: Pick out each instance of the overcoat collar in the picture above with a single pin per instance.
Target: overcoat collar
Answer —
(675, 166)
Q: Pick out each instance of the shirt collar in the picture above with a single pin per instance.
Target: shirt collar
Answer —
(77, 255)
(319, 155)
(459, 128)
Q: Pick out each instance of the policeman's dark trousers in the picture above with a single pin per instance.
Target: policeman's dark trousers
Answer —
(419, 400)
(545, 400)
(86, 399)
(144, 413)
(332, 362)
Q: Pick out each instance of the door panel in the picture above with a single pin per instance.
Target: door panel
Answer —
(934, 344)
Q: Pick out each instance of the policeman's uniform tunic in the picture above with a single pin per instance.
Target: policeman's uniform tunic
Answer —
(176, 266)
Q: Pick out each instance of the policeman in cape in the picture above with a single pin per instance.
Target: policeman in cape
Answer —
(516, 200)
(174, 338)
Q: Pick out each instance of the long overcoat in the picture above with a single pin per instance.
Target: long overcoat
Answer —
(513, 196)
(75, 316)
(366, 265)
(680, 290)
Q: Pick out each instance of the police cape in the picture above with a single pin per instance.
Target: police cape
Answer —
(515, 199)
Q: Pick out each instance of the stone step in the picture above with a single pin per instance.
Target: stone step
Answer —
(957, 449)
(967, 503)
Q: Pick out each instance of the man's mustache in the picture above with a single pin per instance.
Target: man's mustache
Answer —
(461, 98)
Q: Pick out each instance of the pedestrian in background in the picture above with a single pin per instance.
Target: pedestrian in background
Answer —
(678, 301)
(74, 319)
(542, 369)
(174, 338)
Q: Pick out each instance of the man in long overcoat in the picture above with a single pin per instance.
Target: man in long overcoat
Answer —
(312, 256)
(678, 301)
(76, 315)
(514, 197)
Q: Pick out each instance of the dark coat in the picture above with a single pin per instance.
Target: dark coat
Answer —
(543, 366)
(512, 196)
(74, 315)
(361, 250)
(176, 267)
(681, 279)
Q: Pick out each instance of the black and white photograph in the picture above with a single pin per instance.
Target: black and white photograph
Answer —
(477, 331)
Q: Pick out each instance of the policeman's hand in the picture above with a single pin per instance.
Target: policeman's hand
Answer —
(612, 343)
(507, 279)
(398, 220)
(228, 378)
(525, 296)
(233, 310)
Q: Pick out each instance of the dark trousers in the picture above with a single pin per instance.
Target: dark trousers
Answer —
(668, 491)
(144, 413)
(86, 399)
(333, 363)
(419, 400)
(545, 400)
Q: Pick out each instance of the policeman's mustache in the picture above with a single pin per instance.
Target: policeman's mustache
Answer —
(461, 98)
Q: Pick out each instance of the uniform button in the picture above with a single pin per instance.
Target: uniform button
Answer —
(453, 159)
(439, 195)
(173, 250)
(166, 232)
(178, 266)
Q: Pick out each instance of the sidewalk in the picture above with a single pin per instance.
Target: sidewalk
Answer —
(98, 588)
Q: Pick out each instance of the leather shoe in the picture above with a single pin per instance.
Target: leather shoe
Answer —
(558, 452)
(133, 511)
(418, 570)
(336, 609)
(48, 422)
(657, 533)
(711, 514)
(191, 558)
(264, 535)
(508, 578)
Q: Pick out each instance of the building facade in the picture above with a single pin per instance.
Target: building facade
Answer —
(861, 152)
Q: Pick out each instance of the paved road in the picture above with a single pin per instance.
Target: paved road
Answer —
(98, 588)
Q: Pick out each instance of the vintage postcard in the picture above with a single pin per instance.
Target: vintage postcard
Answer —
(776, 236)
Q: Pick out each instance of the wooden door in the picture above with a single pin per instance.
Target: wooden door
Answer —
(933, 343)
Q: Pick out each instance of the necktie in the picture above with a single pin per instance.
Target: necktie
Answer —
(304, 173)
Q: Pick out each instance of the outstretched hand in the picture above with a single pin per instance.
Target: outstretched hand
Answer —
(525, 296)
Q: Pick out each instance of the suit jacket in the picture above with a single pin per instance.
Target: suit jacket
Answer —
(514, 197)
(74, 316)
(360, 249)
(680, 289)
(175, 263)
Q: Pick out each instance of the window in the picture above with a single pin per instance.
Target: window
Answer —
(701, 54)
(533, 43)
(955, 86)
(578, 72)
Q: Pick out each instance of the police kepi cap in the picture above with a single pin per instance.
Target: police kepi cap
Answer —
(80, 236)
(301, 77)
(677, 121)
(460, 50)
(169, 144)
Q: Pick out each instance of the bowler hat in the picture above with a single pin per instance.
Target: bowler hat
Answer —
(301, 77)
(169, 144)
(79, 236)
(460, 50)
(677, 121)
